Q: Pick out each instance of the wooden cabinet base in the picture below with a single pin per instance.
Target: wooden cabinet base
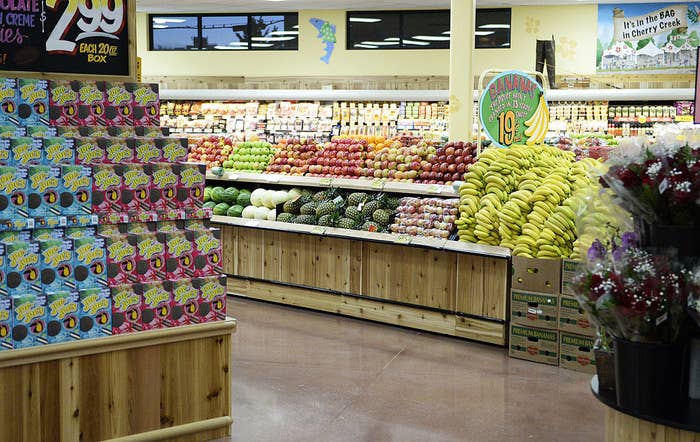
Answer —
(375, 310)
(171, 384)
(621, 427)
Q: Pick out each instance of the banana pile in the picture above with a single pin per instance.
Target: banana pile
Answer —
(521, 198)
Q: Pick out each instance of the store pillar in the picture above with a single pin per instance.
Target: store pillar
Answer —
(462, 18)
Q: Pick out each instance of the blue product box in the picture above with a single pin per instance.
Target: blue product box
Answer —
(95, 313)
(22, 268)
(5, 152)
(76, 190)
(47, 234)
(43, 192)
(90, 262)
(29, 320)
(40, 131)
(59, 150)
(33, 102)
(81, 232)
(13, 192)
(88, 151)
(26, 151)
(57, 265)
(63, 316)
(8, 101)
(5, 323)
(10, 131)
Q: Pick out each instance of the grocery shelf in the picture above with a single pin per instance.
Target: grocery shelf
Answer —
(376, 185)
(386, 238)
(416, 95)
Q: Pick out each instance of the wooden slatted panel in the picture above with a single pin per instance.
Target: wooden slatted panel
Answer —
(272, 263)
(621, 427)
(229, 248)
(249, 257)
(482, 286)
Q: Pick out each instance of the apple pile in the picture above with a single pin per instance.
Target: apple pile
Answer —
(250, 157)
(293, 156)
(433, 217)
(213, 151)
(399, 162)
(341, 158)
(449, 163)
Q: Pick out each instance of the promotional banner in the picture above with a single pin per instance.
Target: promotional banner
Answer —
(513, 110)
(647, 36)
(65, 36)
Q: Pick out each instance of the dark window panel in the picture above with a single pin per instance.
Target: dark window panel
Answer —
(274, 32)
(171, 33)
(492, 28)
(225, 32)
(374, 30)
(426, 30)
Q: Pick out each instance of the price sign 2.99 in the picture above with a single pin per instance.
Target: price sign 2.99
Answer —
(66, 36)
(513, 110)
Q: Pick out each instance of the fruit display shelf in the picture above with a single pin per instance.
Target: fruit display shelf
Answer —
(431, 284)
(374, 185)
(132, 386)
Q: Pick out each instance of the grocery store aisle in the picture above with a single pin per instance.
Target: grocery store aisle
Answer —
(305, 376)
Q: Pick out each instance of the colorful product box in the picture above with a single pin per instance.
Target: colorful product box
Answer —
(117, 150)
(76, 190)
(212, 298)
(576, 352)
(8, 101)
(26, 151)
(39, 131)
(5, 323)
(196, 224)
(33, 107)
(118, 104)
(59, 150)
(145, 150)
(534, 309)
(155, 305)
(178, 254)
(165, 186)
(47, 234)
(207, 252)
(95, 313)
(534, 344)
(22, 268)
(91, 111)
(121, 131)
(5, 152)
(29, 320)
(185, 303)
(10, 131)
(152, 131)
(94, 131)
(146, 104)
(90, 262)
(190, 192)
(57, 265)
(107, 185)
(80, 232)
(572, 318)
(174, 150)
(64, 103)
(126, 309)
(121, 260)
(63, 316)
(137, 185)
(150, 227)
(168, 226)
(43, 192)
(110, 229)
(8, 237)
(150, 256)
(89, 151)
(67, 131)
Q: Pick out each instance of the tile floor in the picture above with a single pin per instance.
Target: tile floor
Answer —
(300, 375)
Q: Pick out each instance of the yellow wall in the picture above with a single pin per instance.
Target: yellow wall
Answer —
(574, 27)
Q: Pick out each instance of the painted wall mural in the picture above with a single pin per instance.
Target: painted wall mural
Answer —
(326, 33)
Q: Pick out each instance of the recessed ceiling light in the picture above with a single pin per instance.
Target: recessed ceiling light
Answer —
(364, 20)
(495, 26)
(431, 37)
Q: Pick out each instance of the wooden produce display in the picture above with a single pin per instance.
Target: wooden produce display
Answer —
(430, 284)
(623, 427)
(163, 384)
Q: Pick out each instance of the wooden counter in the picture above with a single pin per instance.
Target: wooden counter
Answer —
(169, 384)
(436, 285)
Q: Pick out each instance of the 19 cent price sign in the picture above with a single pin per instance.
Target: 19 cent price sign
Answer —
(65, 36)
(513, 110)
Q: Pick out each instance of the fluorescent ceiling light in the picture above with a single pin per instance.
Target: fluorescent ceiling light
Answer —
(495, 26)
(380, 43)
(229, 48)
(392, 39)
(284, 33)
(161, 21)
(296, 26)
(430, 37)
(239, 43)
(416, 43)
(447, 33)
(160, 26)
(262, 45)
(272, 38)
(484, 32)
(364, 20)
(357, 45)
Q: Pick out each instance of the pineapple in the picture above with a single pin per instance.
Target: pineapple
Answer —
(306, 196)
(320, 196)
(325, 208)
(393, 202)
(285, 217)
(329, 220)
(357, 198)
(305, 219)
(293, 206)
(347, 223)
(382, 217)
(308, 208)
(369, 208)
(353, 213)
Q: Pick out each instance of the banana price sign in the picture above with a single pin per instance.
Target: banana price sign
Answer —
(513, 110)
(88, 37)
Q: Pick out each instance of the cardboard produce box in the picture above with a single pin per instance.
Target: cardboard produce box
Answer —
(534, 309)
(573, 319)
(576, 352)
(569, 269)
(536, 275)
(534, 344)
